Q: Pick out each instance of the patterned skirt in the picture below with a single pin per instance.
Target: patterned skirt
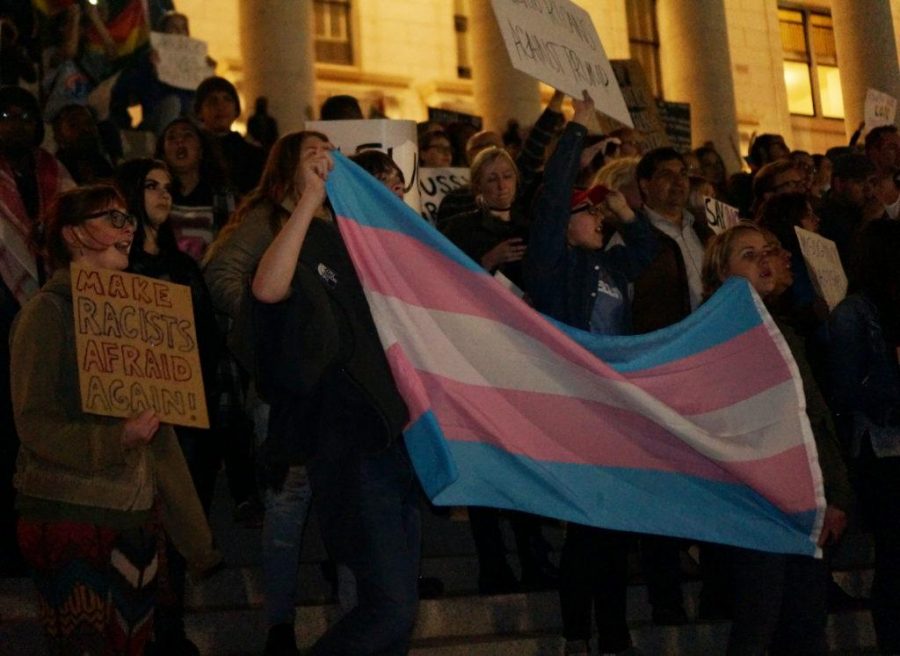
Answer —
(97, 585)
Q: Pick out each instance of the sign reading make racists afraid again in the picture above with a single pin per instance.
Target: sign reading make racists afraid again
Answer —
(555, 42)
(137, 347)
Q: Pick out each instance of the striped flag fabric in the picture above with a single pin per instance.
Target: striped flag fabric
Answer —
(128, 25)
(696, 431)
(127, 22)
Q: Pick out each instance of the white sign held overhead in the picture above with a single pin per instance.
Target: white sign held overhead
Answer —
(395, 137)
(824, 265)
(880, 109)
(182, 60)
(555, 42)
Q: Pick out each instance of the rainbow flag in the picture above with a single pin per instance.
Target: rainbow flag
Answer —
(52, 7)
(127, 23)
(695, 431)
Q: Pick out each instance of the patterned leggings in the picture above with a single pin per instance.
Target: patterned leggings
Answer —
(97, 585)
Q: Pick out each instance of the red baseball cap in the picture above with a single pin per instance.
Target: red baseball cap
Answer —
(584, 198)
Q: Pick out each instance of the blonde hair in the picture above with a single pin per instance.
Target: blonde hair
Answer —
(486, 157)
(617, 173)
(718, 252)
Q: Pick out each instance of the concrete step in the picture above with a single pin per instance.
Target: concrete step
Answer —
(225, 617)
(241, 588)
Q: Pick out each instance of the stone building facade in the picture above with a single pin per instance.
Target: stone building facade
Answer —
(800, 67)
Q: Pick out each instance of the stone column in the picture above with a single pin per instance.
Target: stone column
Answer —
(696, 68)
(277, 48)
(866, 54)
(501, 92)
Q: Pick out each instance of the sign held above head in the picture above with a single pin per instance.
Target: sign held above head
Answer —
(555, 42)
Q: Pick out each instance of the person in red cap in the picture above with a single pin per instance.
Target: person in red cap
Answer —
(569, 277)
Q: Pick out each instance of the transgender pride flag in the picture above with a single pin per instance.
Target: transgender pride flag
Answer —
(698, 430)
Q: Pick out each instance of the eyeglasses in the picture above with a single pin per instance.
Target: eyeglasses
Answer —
(116, 218)
(21, 117)
(444, 150)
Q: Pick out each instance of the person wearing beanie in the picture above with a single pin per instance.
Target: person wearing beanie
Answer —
(216, 106)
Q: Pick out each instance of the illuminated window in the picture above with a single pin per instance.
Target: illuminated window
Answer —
(643, 40)
(810, 63)
(332, 31)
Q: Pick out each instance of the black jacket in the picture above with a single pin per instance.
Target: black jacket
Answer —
(321, 363)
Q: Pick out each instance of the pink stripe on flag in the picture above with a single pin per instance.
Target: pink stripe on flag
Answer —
(675, 383)
(409, 384)
(552, 428)
(378, 272)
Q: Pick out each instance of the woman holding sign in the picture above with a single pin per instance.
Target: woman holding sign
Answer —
(780, 599)
(88, 483)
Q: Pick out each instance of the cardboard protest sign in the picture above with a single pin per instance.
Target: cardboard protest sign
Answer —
(880, 109)
(182, 60)
(137, 347)
(448, 116)
(396, 138)
(435, 183)
(676, 120)
(824, 265)
(556, 43)
(719, 215)
(640, 102)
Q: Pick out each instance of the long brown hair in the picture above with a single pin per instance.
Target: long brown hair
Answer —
(276, 182)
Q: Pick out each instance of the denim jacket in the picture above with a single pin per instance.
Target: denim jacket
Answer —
(864, 377)
(560, 280)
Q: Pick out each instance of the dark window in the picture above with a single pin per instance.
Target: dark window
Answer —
(334, 43)
(643, 40)
(461, 25)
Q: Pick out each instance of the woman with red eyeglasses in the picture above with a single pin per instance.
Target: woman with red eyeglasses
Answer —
(87, 484)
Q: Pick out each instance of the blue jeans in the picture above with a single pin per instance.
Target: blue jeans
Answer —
(286, 512)
(368, 509)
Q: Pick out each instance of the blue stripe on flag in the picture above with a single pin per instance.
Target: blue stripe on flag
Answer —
(621, 499)
(380, 209)
(730, 312)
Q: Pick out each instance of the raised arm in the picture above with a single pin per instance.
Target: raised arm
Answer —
(551, 211)
(272, 282)
(531, 157)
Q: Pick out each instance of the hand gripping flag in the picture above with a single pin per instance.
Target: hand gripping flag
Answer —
(698, 430)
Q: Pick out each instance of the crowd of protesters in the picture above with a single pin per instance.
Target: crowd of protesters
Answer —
(304, 411)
